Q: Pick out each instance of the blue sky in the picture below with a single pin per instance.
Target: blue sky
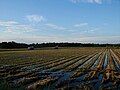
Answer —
(36, 21)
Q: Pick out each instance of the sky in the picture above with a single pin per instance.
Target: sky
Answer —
(38, 21)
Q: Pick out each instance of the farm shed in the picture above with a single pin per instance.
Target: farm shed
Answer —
(31, 48)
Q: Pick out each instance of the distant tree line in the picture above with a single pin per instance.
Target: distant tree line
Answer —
(13, 45)
(66, 44)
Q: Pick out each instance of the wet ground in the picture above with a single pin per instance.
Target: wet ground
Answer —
(95, 71)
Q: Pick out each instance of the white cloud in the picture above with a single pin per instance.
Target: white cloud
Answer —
(15, 27)
(81, 25)
(94, 29)
(40, 39)
(75, 1)
(56, 27)
(88, 1)
(7, 23)
(98, 1)
(33, 38)
(100, 39)
(19, 28)
(35, 18)
(13, 30)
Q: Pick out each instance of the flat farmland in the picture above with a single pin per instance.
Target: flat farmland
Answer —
(60, 69)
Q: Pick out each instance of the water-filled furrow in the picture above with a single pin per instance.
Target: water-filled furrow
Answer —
(75, 65)
(105, 62)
